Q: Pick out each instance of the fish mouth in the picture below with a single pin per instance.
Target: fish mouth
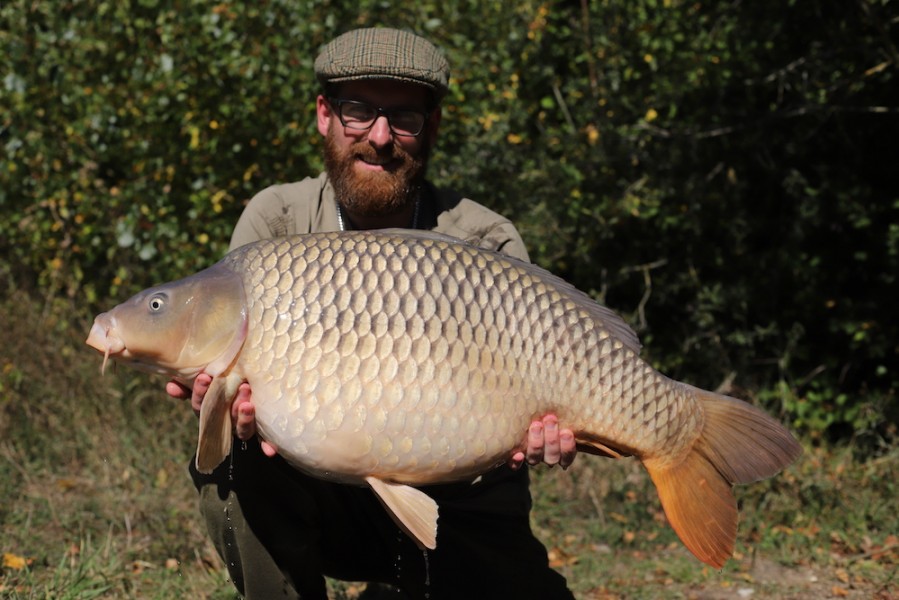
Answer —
(103, 338)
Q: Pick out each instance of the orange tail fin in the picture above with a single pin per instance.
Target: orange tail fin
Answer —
(738, 444)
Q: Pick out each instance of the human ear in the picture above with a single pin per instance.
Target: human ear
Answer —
(323, 114)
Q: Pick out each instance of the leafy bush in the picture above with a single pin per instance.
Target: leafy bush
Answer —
(717, 172)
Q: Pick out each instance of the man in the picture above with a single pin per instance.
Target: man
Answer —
(279, 531)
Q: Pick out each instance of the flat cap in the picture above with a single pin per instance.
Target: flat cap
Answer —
(383, 53)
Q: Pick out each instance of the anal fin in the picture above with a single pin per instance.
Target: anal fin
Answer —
(413, 510)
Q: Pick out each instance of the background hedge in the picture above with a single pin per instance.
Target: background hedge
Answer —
(721, 173)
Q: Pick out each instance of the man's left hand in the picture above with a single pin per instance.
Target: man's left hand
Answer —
(547, 443)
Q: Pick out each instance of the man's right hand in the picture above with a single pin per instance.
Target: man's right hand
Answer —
(243, 413)
(182, 392)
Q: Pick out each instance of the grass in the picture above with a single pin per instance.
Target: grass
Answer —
(95, 500)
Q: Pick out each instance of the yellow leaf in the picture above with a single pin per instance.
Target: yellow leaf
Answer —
(251, 170)
(651, 115)
(513, 138)
(13, 561)
(162, 478)
(65, 484)
(194, 137)
(839, 592)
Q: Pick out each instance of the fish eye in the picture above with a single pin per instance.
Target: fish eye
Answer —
(157, 302)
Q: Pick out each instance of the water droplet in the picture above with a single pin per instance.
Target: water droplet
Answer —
(399, 556)
(424, 553)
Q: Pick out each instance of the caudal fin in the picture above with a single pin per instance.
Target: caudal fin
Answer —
(738, 444)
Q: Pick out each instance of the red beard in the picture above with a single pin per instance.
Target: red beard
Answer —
(375, 193)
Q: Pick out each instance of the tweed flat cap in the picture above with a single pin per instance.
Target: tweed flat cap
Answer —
(383, 53)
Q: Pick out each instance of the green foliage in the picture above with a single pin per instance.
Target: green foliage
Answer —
(133, 131)
(718, 172)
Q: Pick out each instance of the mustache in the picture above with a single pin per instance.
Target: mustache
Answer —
(365, 151)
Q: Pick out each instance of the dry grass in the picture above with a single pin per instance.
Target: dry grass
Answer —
(95, 501)
(95, 494)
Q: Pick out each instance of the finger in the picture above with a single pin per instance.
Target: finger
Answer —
(242, 396)
(568, 448)
(535, 443)
(268, 449)
(516, 460)
(176, 390)
(201, 386)
(551, 449)
(245, 418)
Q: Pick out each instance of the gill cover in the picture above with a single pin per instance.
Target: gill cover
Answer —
(218, 326)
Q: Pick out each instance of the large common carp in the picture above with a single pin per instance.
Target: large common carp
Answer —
(399, 358)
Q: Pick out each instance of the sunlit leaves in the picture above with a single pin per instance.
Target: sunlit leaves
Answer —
(736, 146)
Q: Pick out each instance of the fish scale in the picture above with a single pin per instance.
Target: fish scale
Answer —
(397, 358)
(549, 340)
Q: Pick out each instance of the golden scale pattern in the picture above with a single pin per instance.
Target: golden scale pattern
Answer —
(423, 345)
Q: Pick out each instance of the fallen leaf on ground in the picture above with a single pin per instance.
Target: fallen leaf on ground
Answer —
(14, 561)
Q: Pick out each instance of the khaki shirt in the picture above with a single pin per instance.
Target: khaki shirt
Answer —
(310, 205)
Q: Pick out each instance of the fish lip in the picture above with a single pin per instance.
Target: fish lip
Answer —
(102, 337)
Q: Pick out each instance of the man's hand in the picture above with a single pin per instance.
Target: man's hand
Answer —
(547, 443)
(243, 413)
(182, 392)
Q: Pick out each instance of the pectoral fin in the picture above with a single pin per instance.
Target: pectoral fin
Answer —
(215, 438)
(413, 510)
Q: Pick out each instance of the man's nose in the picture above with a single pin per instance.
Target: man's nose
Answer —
(380, 135)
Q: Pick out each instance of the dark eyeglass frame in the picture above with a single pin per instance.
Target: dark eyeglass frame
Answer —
(338, 103)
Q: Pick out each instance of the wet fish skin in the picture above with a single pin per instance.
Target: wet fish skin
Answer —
(402, 358)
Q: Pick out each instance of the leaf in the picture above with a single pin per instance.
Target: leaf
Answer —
(839, 592)
(14, 561)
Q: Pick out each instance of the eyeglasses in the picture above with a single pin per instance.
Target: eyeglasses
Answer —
(361, 116)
